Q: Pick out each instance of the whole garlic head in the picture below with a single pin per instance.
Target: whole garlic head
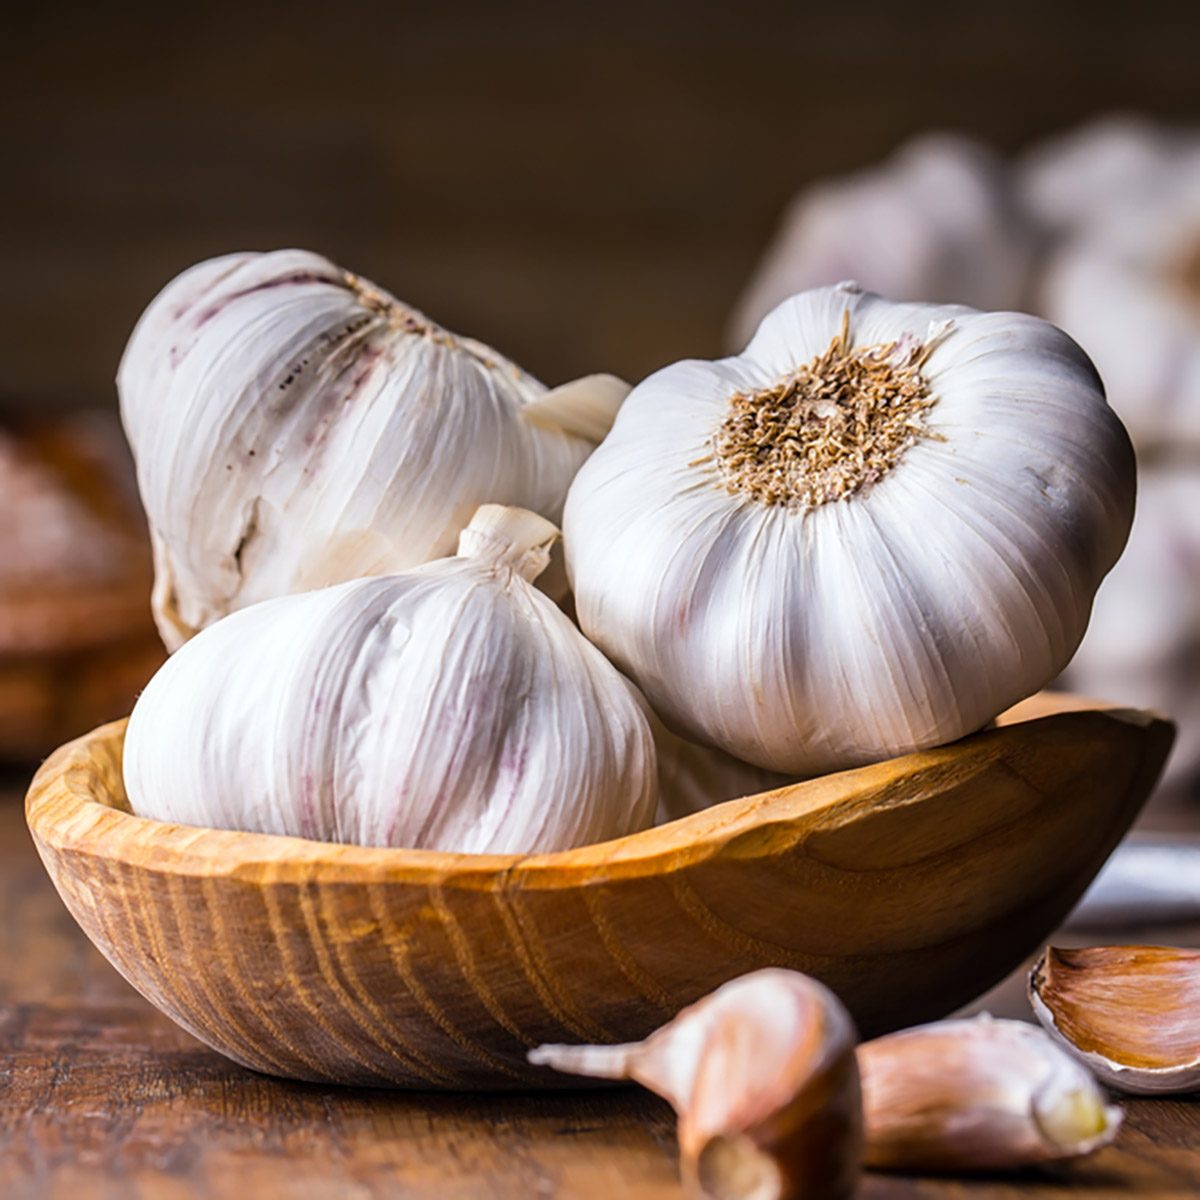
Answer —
(871, 532)
(935, 222)
(294, 426)
(452, 707)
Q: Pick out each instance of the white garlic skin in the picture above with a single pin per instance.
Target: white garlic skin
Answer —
(936, 221)
(902, 616)
(293, 426)
(452, 707)
(693, 777)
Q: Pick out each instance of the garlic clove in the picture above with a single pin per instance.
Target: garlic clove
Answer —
(1131, 1013)
(762, 1076)
(584, 407)
(978, 1095)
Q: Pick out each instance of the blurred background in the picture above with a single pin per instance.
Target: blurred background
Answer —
(600, 187)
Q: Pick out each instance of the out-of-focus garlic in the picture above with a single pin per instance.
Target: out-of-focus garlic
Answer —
(1069, 180)
(451, 707)
(1131, 1013)
(1127, 288)
(870, 533)
(934, 222)
(294, 426)
(762, 1075)
(692, 777)
(1143, 643)
(977, 1095)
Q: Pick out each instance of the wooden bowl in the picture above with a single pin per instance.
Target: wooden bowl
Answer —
(909, 887)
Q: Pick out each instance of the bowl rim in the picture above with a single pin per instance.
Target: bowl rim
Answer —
(67, 811)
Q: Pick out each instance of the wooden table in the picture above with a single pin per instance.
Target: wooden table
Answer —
(103, 1099)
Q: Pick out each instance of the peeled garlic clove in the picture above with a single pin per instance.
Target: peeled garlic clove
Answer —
(451, 707)
(762, 1076)
(1131, 1013)
(935, 221)
(295, 426)
(872, 532)
(978, 1095)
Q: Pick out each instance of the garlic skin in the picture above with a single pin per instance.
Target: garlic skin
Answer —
(452, 707)
(978, 1095)
(762, 1075)
(295, 426)
(812, 609)
(1127, 287)
(935, 222)
(1131, 1014)
(1144, 638)
(692, 777)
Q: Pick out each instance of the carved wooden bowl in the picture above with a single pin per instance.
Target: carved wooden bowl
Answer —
(909, 887)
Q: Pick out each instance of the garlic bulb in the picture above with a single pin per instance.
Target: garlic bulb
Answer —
(762, 1074)
(1128, 289)
(295, 426)
(1143, 643)
(451, 707)
(871, 532)
(978, 1095)
(936, 222)
(1130, 1013)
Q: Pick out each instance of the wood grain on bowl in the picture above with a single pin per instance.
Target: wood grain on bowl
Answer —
(908, 887)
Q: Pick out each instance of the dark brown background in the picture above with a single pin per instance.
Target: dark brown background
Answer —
(587, 186)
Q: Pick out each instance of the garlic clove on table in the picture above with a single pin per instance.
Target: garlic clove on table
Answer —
(936, 221)
(762, 1076)
(978, 1095)
(870, 533)
(450, 707)
(1130, 1013)
(296, 426)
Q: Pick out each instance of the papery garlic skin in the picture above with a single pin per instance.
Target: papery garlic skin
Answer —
(978, 1095)
(1130, 1014)
(452, 707)
(904, 613)
(933, 222)
(692, 777)
(762, 1075)
(294, 426)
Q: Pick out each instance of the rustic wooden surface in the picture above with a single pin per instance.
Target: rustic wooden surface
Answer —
(908, 887)
(102, 1098)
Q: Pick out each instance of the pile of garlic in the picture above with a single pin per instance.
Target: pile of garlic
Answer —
(1099, 232)
(870, 533)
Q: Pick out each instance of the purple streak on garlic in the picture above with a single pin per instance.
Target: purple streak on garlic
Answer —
(450, 707)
